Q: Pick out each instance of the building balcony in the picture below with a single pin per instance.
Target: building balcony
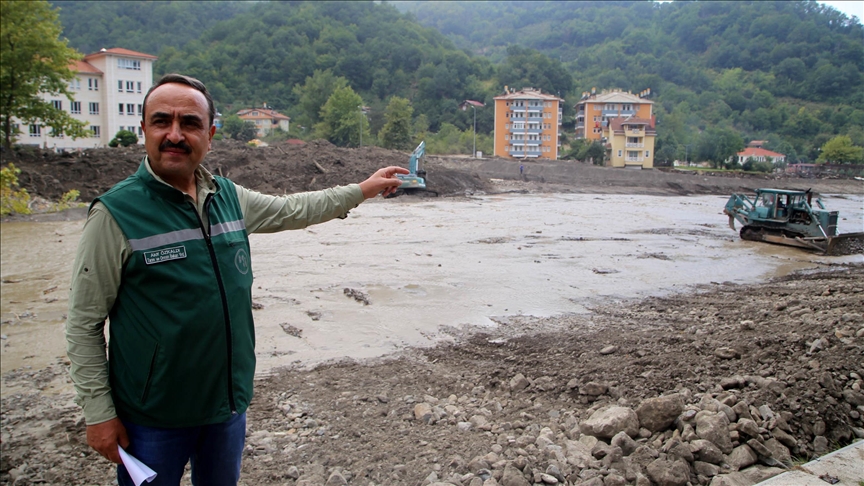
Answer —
(634, 133)
(618, 112)
(634, 159)
(530, 131)
(530, 143)
(580, 124)
(530, 153)
(634, 145)
(535, 119)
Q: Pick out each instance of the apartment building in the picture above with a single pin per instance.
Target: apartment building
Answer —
(527, 124)
(265, 119)
(108, 91)
(630, 142)
(594, 111)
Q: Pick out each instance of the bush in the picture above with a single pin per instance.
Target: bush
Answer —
(12, 199)
(124, 138)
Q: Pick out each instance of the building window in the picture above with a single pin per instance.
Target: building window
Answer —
(130, 86)
(140, 131)
(94, 108)
(75, 84)
(129, 64)
(647, 153)
(138, 87)
(97, 131)
(139, 107)
(35, 130)
(58, 104)
(120, 106)
(619, 153)
(119, 86)
(506, 137)
(55, 134)
(75, 108)
(130, 108)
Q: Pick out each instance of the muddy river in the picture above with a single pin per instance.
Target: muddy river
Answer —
(425, 267)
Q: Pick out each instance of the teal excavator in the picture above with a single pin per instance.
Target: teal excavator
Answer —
(415, 181)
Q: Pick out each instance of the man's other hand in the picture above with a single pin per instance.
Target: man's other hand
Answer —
(383, 181)
(105, 437)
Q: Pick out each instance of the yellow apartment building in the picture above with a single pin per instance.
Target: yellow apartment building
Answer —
(630, 142)
(527, 124)
(594, 111)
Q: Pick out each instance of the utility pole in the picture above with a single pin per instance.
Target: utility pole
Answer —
(473, 104)
(360, 123)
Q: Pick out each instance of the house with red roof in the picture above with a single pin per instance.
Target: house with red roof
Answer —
(108, 95)
(265, 119)
(759, 154)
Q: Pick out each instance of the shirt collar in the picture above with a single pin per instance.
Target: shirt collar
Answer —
(204, 181)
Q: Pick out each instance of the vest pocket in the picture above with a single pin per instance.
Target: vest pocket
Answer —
(150, 371)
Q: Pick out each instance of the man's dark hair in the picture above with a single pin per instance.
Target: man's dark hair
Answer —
(188, 81)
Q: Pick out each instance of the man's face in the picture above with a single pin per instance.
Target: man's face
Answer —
(177, 131)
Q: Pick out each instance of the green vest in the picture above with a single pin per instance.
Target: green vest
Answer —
(182, 340)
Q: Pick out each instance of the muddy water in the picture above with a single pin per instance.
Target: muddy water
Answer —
(426, 266)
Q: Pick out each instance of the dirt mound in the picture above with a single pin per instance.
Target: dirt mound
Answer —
(778, 365)
(274, 169)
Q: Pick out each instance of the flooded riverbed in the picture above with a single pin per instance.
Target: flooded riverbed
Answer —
(428, 266)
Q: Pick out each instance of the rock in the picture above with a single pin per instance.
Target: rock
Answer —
(706, 451)
(553, 471)
(548, 478)
(726, 353)
(733, 479)
(609, 349)
(705, 469)
(595, 481)
(677, 449)
(480, 422)
(778, 451)
(741, 457)
(748, 427)
(758, 473)
(293, 472)
(668, 473)
(641, 480)
(714, 427)
(423, 412)
(594, 389)
(643, 455)
(742, 411)
(614, 480)
(513, 477)
(519, 382)
(784, 437)
(336, 479)
(656, 414)
(464, 426)
(820, 445)
(759, 448)
(855, 398)
(625, 442)
(607, 422)
(579, 455)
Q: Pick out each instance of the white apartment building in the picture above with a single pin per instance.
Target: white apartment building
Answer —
(108, 91)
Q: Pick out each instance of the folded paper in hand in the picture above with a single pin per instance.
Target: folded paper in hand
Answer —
(138, 471)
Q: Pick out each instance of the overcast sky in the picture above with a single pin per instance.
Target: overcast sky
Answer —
(849, 7)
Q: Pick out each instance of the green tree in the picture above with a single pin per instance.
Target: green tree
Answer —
(396, 132)
(124, 138)
(312, 95)
(239, 129)
(841, 150)
(717, 145)
(342, 120)
(35, 61)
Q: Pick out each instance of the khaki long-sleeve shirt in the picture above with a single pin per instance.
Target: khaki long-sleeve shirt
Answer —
(103, 250)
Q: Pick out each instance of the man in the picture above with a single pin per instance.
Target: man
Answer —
(165, 256)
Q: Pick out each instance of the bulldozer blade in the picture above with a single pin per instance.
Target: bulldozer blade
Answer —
(835, 242)
(732, 222)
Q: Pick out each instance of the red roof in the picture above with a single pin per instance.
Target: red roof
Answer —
(84, 67)
(247, 113)
(472, 102)
(759, 152)
(617, 123)
(120, 52)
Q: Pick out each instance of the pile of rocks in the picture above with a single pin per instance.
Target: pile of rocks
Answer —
(717, 439)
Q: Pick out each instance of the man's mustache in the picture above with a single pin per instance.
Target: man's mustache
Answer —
(167, 144)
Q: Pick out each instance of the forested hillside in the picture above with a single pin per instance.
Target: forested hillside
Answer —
(789, 72)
